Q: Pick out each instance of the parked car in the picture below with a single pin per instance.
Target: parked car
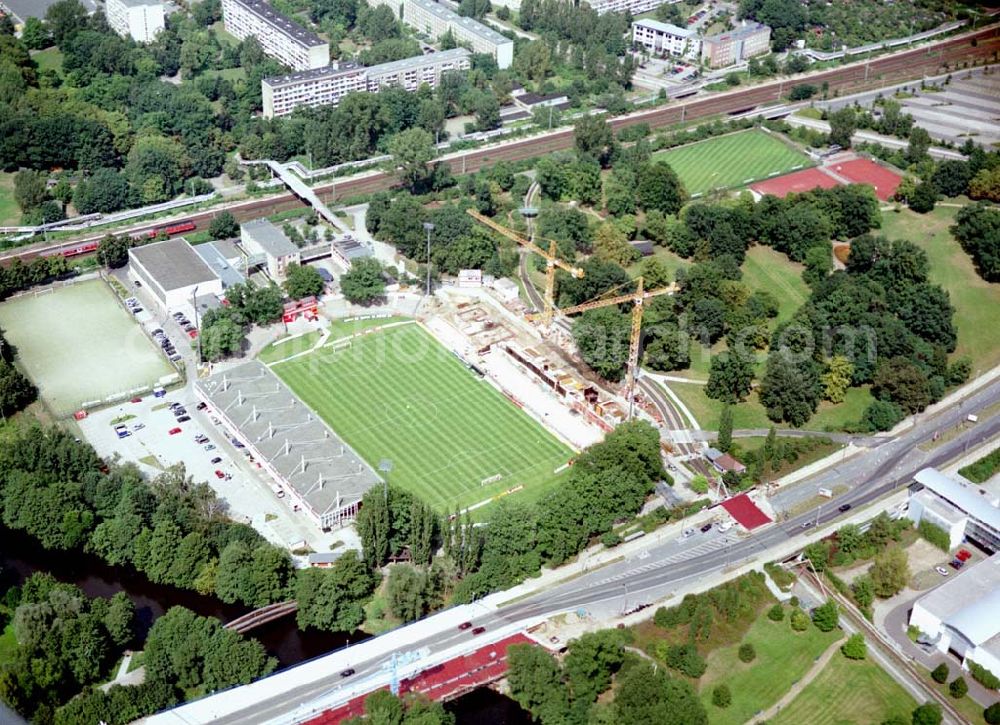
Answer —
(201, 406)
(478, 630)
(138, 426)
(688, 533)
(941, 570)
(844, 508)
(184, 419)
(347, 673)
(465, 625)
(136, 400)
(219, 474)
(174, 431)
(216, 460)
(210, 447)
(807, 524)
(706, 528)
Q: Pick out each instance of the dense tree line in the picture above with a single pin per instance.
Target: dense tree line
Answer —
(16, 391)
(977, 228)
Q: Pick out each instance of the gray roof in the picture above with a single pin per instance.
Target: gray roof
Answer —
(324, 557)
(470, 25)
(419, 61)
(969, 601)
(140, 3)
(971, 499)
(173, 263)
(330, 71)
(284, 25)
(270, 238)
(351, 248)
(666, 28)
(219, 262)
(347, 69)
(24, 9)
(740, 33)
(323, 470)
(713, 454)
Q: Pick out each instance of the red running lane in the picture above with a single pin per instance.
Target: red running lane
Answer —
(440, 682)
(795, 183)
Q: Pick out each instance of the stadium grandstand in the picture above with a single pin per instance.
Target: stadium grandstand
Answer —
(307, 461)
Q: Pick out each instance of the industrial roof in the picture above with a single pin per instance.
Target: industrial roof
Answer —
(173, 264)
(665, 28)
(973, 500)
(472, 26)
(269, 237)
(286, 26)
(969, 601)
(325, 472)
(217, 260)
(745, 512)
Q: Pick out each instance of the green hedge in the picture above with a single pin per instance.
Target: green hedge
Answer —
(935, 535)
(983, 676)
(983, 469)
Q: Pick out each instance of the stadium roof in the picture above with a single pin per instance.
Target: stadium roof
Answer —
(972, 500)
(745, 512)
(173, 263)
(969, 601)
(323, 470)
(665, 28)
(285, 26)
(269, 237)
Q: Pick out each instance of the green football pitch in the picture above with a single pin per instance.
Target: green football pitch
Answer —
(453, 438)
(731, 161)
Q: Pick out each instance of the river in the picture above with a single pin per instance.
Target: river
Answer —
(21, 556)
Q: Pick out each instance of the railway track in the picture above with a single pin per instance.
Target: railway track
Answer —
(865, 75)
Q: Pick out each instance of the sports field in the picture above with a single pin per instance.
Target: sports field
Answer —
(453, 439)
(733, 160)
(78, 345)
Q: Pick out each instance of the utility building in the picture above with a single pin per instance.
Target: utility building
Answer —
(172, 271)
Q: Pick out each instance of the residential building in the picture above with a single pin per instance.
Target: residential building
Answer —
(281, 38)
(635, 7)
(173, 272)
(327, 86)
(266, 245)
(666, 39)
(963, 510)
(436, 19)
(139, 19)
(960, 615)
(723, 462)
(736, 45)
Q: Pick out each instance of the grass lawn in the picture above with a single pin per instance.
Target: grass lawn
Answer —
(400, 395)
(10, 213)
(670, 260)
(48, 59)
(229, 74)
(732, 161)
(224, 36)
(976, 302)
(848, 691)
(970, 709)
(8, 644)
(288, 346)
(783, 657)
(766, 269)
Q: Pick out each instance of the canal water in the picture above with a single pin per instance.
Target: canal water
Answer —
(21, 556)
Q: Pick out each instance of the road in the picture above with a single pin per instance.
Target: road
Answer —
(864, 75)
(662, 568)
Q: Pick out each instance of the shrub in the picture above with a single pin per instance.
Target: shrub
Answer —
(721, 696)
(958, 688)
(776, 613)
(855, 648)
(747, 653)
(934, 534)
(940, 673)
(927, 714)
(799, 620)
(983, 676)
(699, 484)
(610, 539)
(793, 602)
(992, 714)
(825, 616)
(685, 659)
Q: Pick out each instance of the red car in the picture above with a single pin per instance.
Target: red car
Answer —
(465, 625)
(136, 400)
(219, 474)
(478, 630)
(174, 431)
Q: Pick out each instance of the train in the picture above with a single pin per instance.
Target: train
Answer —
(75, 250)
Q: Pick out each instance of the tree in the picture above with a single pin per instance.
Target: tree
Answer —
(890, 572)
(220, 337)
(951, 177)
(35, 35)
(303, 281)
(645, 695)
(65, 18)
(593, 138)
(535, 681)
(105, 191)
(924, 197)
(611, 245)
(363, 284)
(721, 696)
(843, 124)
(940, 673)
(790, 389)
(407, 592)
(825, 616)
(977, 228)
(916, 149)
(927, 714)
(855, 648)
(881, 415)
(747, 653)
(592, 660)
(837, 378)
(992, 714)
(412, 151)
(776, 613)
(487, 112)
(725, 439)
(602, 336)
(333, 599)
(660, 188)
(958, 688)
(900, 381)
(30, 189)
(986, 184)
(730, 376)
(223, 226)
(16, 391)
(798, 620)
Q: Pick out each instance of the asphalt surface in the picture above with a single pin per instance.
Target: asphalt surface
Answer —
(660, 569)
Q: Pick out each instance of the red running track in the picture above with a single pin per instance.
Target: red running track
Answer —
(795, 183)
(863, 171)
(441, 682)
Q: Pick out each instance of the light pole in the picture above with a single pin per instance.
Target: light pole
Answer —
(428, 227)
(197, 326)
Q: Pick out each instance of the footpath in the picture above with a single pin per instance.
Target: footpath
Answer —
(811, 675)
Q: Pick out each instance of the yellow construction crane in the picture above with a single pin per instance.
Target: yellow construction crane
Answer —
(551, 260)
(637, 299)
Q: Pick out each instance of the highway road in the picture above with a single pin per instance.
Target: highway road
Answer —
(662, 568)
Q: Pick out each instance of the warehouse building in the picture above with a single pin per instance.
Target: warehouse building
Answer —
(284, 40)
(327, 86)
(309, 465)
(435, 19)
(963, 510)
(666, 39)
(173, 273)
(735, 46)
(962, 615)
(140, 20)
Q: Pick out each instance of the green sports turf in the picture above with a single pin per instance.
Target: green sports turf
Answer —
(733, 160)
(398, 394)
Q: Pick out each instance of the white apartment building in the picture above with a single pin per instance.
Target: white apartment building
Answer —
(326, 86)
(665, 39)
(635, 7)
(434, 19)
(282, 39)
(139, 19)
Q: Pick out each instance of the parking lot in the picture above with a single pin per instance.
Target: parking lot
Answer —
(156, 437)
